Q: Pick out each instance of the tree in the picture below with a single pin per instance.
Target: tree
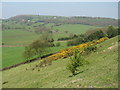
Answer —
(48, 37)
(28, 53)
(96, 35)
(111, 31)
(82, 38)
(75, 61)
(37, 48)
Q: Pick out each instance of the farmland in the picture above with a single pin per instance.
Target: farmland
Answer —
(27, 37)
(14, 55)
(20, 37)
(93, 75)
(23, 38)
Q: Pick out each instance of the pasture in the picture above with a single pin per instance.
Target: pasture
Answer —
(18, 37)
(23, 37)
(14, 55)
(74, 28)
(93, 75)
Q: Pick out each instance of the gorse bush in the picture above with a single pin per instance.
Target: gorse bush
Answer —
(69, 51)
(75, 61)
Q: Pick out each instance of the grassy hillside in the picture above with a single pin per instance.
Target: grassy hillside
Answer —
(101, 72)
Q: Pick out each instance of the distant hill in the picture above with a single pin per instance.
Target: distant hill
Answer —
(94, 21)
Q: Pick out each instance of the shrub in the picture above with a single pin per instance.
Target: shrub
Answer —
(69, 51)
(57, 44)
(71, 68)
(118, 40)
(75, 61)
(3, 43)
(96, 35)
(89, 49)
(43, 63)
(64, 38)
(71, 43)
(51, 45)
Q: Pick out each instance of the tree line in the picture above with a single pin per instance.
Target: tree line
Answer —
(94, 35)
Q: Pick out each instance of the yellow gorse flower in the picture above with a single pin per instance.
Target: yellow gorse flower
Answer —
(69, 51)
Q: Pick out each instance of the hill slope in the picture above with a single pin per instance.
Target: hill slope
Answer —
(101, 72)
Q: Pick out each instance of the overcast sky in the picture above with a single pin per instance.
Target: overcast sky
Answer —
(95, 9)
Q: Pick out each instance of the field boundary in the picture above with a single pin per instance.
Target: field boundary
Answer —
(13, 45)
(25, 62)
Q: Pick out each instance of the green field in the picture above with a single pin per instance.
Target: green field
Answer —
(18, 37)
(23, 37)
(101, 72)
(14, 55)
(74, 28)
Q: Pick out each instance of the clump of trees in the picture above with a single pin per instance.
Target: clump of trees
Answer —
(38, 47)
(94, 35)
(112, 32)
